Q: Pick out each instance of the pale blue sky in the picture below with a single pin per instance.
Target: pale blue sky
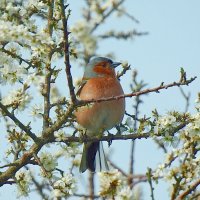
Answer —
(173, 42)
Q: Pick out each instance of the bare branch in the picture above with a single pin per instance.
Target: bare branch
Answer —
(7, 183)
(122, 35)
(91, 185)
(136, 87)
(156, 89)
(86, 196)
(66, 51)
(26, 129)
(128, 15)
(187, 99)
(149, 178)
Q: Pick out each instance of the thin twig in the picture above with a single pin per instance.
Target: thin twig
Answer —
(91, 185)
(7, 183)
(43, 168)
(48, 72)
(125, 69)
(104, 17)
(39, 187)
(66, 51)
(128, 15)
(138, 87)
(118, 168)
(156, 89)
(149, 175)
(14, 55)
(187, 99)
(86, 196)
(26, 129)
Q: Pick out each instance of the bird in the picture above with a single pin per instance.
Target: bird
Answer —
(99, 81)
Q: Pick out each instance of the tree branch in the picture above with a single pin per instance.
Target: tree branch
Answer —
(91, 185)
(156, 89)
(189, 190)
(104, 17)
(35, 148)
(7, 183)
(149, 178)
(9, 173)
(48, 70)
(66, 51)
(14, 55)
(110, 137)
(26, 129)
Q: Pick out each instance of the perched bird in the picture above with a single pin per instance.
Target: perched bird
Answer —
(99, 81)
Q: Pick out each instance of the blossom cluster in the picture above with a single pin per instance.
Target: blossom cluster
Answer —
(164, 122)
(49, 162)
(114, 185)
(64, 187)
(186, 153)
(23, 180)
(17, 99)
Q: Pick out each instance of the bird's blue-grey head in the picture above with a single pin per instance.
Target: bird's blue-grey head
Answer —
(98, 61)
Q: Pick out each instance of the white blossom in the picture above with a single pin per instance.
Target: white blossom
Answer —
(23, 180)
(48, 161)
(60, 135)
(17, 98)
(129, 122)
(36, 111)
(64, 187)
(125, 193)
(109, 182)
(81, 31)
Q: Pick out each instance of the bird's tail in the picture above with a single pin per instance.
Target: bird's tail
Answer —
(93, 157)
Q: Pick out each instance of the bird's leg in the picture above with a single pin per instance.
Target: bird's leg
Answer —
(84, 135)
(109, 141)
(118, 129)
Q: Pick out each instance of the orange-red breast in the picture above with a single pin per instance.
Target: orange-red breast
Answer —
(99, 81)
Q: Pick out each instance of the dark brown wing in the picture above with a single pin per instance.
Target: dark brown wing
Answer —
(80, 87)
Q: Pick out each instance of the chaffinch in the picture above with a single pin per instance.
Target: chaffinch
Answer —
(99, 81)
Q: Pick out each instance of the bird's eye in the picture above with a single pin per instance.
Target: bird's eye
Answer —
(103, 64)
(110, 61)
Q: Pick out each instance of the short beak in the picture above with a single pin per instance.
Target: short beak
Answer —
(115, 64)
